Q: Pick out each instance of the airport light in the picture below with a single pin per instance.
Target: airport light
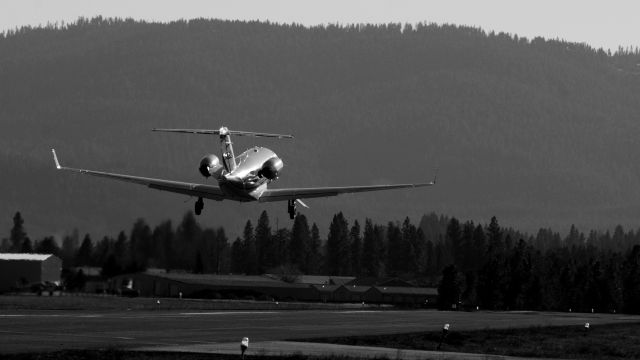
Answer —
(244, 345)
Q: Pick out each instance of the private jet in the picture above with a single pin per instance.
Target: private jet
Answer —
(240, 178)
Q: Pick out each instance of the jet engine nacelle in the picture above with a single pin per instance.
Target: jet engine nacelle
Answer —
(271, 168)
(210, 166)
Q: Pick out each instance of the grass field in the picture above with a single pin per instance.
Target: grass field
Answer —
(99, 302)
(131, 355)
(614, 341)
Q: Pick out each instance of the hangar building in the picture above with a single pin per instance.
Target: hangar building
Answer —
(20, 270)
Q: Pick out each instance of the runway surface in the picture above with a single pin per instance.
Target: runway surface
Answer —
(55, 330)
(290, 348)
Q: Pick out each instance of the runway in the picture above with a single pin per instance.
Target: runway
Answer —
(55, 330)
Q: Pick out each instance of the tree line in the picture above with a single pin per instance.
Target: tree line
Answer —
(473, 265)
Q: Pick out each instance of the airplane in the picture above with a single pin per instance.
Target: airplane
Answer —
(240, 178)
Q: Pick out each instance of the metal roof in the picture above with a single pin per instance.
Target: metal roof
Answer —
(25, 257)
(323, 280)
(225, 280)
(354, 288)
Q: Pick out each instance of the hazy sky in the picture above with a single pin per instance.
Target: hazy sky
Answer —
(605, 24)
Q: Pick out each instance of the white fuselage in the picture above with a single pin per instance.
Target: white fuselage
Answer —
(244, 182)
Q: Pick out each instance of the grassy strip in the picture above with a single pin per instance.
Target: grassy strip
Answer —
(112, 354)
(98, 302)
(613, 341)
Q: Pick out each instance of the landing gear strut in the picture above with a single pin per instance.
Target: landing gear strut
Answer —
(291, 208)
(199, 206)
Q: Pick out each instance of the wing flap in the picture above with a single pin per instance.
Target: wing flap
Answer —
(305, 193)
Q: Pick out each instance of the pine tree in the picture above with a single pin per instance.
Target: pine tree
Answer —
(466, 251)
(494, 235)
(338, 249)
(631, 281)
(300, 243)
(85, 252)
(264, 243)
(139, 246)
(356, 249)
(163, 248)
(120, 250)
(314, 257)
(26, 247)
(70, 245)
(430, 259)
(413, 244)
(396, 259)
(251, 262)
(48, 245)
(449, 290)
(220, 252)
(18, 234)
(454, 241)
(199, 265)
(102, 250)
(238, 257)
(281, 242)
(188, 236)
(479, 246)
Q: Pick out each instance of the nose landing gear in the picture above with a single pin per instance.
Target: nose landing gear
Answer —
(291, 208)
(199, 206)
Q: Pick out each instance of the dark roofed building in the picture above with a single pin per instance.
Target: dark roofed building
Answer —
(401, 295)
(350, 293)
(210, 286)
(323, 280)
(325, 292)
(20, 270)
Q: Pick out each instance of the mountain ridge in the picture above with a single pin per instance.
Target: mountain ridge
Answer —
(539, 133)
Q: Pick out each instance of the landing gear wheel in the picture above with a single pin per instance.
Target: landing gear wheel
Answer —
(291, 209)
(199, 206)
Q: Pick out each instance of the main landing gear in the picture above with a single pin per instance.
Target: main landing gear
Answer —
(199, 206)
(291, 208)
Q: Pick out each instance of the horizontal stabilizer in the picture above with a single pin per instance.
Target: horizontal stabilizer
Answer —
(224, 131)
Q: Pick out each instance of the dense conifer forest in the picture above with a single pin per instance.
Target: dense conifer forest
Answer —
(541, 133)
(473, 265)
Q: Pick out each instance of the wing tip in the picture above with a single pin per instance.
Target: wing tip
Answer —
(55, 159)
(435, 177)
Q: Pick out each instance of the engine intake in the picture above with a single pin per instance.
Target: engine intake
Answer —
(271, 168)
(210, 166)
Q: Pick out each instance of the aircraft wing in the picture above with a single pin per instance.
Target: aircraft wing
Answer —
(191, 189)
(304, 193)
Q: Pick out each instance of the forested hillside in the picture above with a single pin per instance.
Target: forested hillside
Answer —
(539, 133)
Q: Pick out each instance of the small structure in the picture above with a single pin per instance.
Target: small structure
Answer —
(325, 292)
(22, 270)
(94, 282)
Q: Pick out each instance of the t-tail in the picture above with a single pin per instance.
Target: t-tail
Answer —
(228, 157)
